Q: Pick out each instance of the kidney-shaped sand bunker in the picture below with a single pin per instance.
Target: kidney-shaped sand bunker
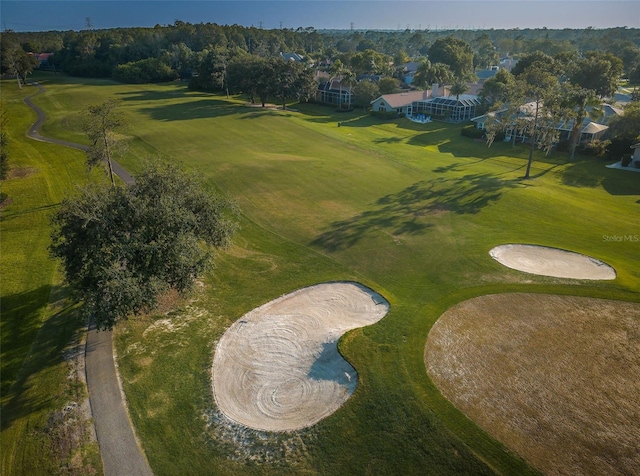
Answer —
(278, 367)
(545, 261)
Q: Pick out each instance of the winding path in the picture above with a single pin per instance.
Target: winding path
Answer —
(119, 449)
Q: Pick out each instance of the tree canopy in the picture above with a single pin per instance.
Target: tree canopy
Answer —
(123, 247)
(454, 52)
(599, 72)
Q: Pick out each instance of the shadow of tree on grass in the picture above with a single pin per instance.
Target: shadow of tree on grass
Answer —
(592, 173)
(30, 350)
(412, 210)
(200, 109)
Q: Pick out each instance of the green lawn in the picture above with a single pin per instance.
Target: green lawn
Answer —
(37, 324)
(409, 210)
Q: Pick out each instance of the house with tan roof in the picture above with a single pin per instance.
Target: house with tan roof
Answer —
(401, 102)
(398, 102)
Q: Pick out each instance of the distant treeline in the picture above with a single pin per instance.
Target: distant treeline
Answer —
(182, 50)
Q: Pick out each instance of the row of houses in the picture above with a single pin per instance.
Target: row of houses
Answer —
(591, 129)
(437, 103)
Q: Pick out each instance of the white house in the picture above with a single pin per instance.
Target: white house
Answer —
(635, 158)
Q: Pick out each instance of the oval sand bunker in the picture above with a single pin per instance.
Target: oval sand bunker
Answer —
(278, 367)
(554, 262)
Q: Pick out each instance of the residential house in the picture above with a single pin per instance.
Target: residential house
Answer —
(408, 71)
(635, 158)
(508, 63)
(398, 102)
(292, 57)
(43, 59)
(435, 102)
(485, 74)
(334, 91)
(592, 129)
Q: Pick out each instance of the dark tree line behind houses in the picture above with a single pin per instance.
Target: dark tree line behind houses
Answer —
(248, 60)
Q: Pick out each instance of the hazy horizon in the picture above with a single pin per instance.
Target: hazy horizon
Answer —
(39, 15)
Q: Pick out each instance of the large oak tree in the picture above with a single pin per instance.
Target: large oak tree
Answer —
(123, 247)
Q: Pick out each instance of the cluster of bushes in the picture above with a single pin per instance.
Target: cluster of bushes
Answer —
(150, 70)
(594, 148)
(344, 108)
(472, 131)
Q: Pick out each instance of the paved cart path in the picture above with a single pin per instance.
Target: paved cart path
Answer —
(119, 449)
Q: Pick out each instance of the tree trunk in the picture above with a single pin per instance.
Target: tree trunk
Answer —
(106, 149)
(533, 139)
(575, 135)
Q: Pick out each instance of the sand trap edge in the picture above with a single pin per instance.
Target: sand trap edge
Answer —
(558, 262)
(368, 307)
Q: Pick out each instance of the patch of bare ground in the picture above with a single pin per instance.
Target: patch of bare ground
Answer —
(5, 202)
(555, 378)
(21, 172)
(70, 430)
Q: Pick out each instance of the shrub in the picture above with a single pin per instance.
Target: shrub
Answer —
(594, 148)
(626, 160)
(386, 115)
(618, 146)
(563, 146)
(344, 108)
(472, 131)
(144, 71)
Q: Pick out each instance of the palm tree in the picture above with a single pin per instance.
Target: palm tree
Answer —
(441, 73)
(349, 79)
(458, 87)
(578, 104)
(422, 76)
(337, 69)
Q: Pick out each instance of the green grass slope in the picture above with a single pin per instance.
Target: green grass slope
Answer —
(409, 210)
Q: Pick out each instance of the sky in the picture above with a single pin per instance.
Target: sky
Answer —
(39, 15)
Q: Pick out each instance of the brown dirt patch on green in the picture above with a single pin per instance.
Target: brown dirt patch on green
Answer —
(555, 378)
(21, 172)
